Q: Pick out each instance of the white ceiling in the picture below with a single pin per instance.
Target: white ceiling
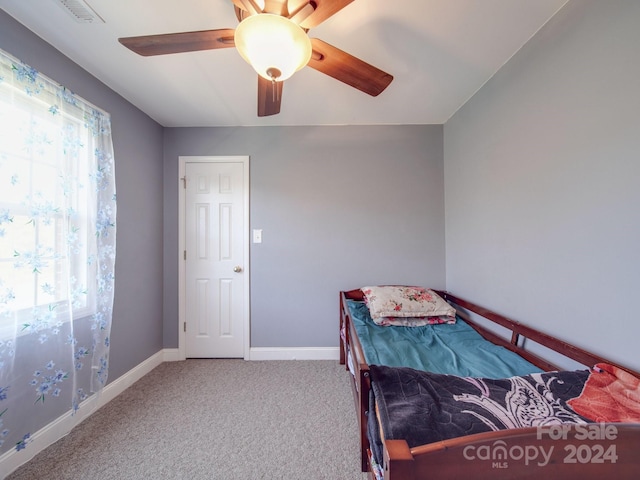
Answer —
(440, 53)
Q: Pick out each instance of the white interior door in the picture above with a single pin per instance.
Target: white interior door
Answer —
(215, 259)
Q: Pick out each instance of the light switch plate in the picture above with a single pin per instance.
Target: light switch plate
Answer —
(257, 235)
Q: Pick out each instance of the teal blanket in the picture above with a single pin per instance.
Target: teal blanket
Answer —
(453, 349)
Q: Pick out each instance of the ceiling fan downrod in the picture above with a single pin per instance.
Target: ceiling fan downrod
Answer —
(274, 74)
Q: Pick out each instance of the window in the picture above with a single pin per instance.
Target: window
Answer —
(44, 199)
(34, 184)
(57, 250)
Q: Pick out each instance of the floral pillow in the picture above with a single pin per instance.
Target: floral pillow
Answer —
(413, 321)
(406, 302)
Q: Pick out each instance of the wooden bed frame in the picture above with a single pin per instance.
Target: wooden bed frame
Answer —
(573, 451)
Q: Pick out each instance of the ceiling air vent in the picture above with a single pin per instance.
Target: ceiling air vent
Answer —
(80, 10)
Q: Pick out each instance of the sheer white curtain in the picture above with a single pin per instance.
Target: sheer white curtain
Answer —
(57, 251)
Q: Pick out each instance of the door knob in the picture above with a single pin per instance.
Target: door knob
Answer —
(237, 269)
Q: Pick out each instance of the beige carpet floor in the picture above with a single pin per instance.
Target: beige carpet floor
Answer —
(216, 419)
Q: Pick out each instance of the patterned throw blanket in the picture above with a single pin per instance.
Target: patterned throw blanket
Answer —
(422, 407)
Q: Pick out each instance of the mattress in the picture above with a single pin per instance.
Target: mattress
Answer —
(453, 349)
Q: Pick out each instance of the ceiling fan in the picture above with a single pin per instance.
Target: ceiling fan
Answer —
(272, 38)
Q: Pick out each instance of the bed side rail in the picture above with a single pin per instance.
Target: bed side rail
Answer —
(520, 331)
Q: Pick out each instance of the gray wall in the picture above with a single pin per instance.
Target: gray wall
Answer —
(137, 318)
(340, 207)
(542, 178)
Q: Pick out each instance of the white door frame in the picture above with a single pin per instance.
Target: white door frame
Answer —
(182, 161)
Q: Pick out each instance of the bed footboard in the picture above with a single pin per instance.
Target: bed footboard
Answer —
(591, 451)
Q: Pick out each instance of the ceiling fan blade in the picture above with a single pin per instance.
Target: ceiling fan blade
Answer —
(269, 97)
(252, 6)
(348, 69)
(164, 44)
(300, 15)
(324, 9)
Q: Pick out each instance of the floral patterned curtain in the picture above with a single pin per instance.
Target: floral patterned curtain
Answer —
(57, 251)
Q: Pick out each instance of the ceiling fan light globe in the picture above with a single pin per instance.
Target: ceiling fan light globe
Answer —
(270, 42)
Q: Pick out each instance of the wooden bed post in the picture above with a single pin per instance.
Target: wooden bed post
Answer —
(343, 360)
(398, 460)
(364, 413)
(360, 384)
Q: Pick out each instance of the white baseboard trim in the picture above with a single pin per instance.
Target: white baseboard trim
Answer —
(60, 427)
(172, 355)
(296, 353)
